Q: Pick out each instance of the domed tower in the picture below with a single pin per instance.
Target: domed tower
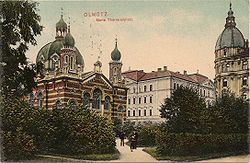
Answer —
(115, 66)
(231, 60)
(61, 54)
(61, 28)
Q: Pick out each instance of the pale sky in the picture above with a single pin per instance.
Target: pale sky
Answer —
(180, 34)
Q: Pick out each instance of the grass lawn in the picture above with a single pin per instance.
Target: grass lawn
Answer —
(74, 158)
(153, 153)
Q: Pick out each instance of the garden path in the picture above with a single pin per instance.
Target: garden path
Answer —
(136, 156)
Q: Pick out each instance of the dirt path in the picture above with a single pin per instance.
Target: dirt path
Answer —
(136, 156)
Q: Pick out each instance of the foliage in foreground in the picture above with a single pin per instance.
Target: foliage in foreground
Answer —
(19, 25)
(199, 144)
(193, 129)
(28, 131)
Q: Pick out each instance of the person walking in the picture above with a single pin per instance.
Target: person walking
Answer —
(122, 137)
(132, 141)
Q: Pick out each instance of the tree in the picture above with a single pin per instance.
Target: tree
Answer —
(182, 110)
(230, 114)
(20, 24)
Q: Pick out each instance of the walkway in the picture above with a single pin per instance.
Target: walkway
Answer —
(240, 158)
(136, 156)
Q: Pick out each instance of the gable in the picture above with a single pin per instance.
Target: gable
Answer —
(98, 80)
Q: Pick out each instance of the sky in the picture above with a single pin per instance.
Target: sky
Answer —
(179, 34)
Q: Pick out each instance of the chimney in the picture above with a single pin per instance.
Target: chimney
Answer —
(159, 69)
(185, 72)
(165, 68)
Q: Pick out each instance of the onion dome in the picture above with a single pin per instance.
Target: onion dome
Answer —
(61, 23)
(69, 40)
(231, 35)
(116, 54)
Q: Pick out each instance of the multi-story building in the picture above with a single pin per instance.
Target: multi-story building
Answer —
(147, 91)
(231, 60)
(65, 83)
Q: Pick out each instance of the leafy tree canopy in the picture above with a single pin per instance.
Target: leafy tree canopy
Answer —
(19, 24)
(182, 110)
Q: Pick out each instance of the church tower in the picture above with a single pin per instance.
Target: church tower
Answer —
(231, 60)
(115, 66)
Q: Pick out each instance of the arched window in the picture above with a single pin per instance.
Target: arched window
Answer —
(244, 81)
(72, 104)
(97, 97)
(121, 109)
(107, 103)
(128, 113)
(227, 67)
(40, 100)
(71, 63)
(224, 83)
(86, 99)
(58, 105)
(244, 66)
(31, 100)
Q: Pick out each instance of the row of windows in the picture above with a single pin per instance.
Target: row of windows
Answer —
(225, 67)
(96, 100)
(145, 89)
(139, 113)
(244, 82)
(140, 100)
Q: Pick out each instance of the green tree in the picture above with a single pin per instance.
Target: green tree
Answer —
(128, 127)
(230, 114)
(183, 110)
(19, 25)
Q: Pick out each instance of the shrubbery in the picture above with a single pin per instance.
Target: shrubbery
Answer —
(147, 134)
(195, 130)
(28, 131)
(81, 131)
(185, 144)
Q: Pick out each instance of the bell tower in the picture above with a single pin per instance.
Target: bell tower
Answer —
(115, 66)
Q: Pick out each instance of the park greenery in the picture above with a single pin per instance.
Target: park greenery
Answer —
(19, 25)
(69, 131)
(191, 128)
(194, 131)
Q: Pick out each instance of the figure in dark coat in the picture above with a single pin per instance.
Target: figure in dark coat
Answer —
(133, 141)
(122, 137)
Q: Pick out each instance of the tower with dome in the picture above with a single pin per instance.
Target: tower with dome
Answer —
(63, 81)
(231, 60)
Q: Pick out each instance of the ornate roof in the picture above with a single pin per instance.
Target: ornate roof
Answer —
(231, 35)
(116, 54)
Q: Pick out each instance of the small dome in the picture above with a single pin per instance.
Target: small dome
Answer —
(69, 40)
(61, 23)
(230, 37)
(116, 54)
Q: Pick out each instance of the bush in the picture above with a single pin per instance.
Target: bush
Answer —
(81, 131)
(147, 135)
(28, 131)
(17, 127)
(18, 146)
(196, 144)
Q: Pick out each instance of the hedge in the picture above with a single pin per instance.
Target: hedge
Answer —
(185, 144)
